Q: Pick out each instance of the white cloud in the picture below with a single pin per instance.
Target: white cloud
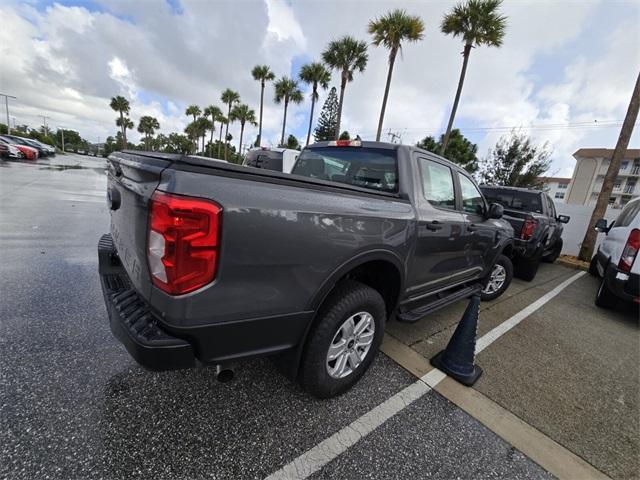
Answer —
(66, 62)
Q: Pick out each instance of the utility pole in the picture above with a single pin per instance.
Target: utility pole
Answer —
(6, 104)
(62, 132)
(44, 120)
(589, 241)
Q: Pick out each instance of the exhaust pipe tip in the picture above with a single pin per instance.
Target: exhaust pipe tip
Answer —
(223, 375)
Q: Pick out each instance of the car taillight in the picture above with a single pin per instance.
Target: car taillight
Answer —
(345, 143)
(184, 235)
(630, 251)
(528, 228)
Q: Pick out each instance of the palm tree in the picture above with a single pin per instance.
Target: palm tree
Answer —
(391, 30)
(195, 111)
(124, 123)
(121, 105)
(478, 23)
(315, 74)
(214, 112)
(287, 90)
(243, 114)
(345, 55)
(228, 97)
(222, 120)
(264, 74)
(147, 126)
(203, 124)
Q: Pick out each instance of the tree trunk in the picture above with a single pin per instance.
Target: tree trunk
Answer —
(226, 133)
(240, 143)
(284, 121)
(465, 61)
(392, 61)
(213, 127)
(589, 241)
(124, 134)
(220, 141)
(261, 104)
(313, 104)
(343, 85)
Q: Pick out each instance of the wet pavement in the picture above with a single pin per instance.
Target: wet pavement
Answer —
(73, 404)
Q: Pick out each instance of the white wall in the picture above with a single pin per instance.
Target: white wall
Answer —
(574, 231)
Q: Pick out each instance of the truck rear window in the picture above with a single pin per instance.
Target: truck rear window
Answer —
(372, 168)
(514, 199)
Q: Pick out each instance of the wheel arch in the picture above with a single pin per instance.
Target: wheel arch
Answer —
(363, 268)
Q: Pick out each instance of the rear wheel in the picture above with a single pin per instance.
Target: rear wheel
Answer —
(555, 253)
(344, 341)
(499, 280)
(527, 268)
(604, 296)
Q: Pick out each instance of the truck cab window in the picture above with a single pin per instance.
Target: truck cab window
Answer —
(437, 184)
(472, 200)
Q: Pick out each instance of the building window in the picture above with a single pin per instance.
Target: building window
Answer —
(617, 184)
(624, 164)
(630, 186)
(562, 186)
(636, 167)
(559, 195)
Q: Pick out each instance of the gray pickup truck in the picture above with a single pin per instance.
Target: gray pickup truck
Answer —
(537, 226)
(209, 262)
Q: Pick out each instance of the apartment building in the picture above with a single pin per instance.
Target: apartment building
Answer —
(588, 175)
(556, 187)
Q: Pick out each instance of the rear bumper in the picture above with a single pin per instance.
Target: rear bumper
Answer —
(132, 321)
(524, 248)
(622, 284)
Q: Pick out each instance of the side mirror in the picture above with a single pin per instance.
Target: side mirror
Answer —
(601, 226)
(563, 218)
(495, 211)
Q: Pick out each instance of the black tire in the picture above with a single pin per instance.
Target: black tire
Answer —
(347, 299)
(605, 297)
(505, 262)
(527, 268)
(593, 266)
(555, 253)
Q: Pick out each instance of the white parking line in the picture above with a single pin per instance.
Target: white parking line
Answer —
(317, 457)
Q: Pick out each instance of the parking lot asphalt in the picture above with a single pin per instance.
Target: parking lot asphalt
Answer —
(571, 369)
(73, 404)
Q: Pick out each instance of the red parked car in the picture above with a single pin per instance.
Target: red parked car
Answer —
(30, 153)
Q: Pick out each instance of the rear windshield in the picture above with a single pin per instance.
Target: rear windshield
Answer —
(372, 168)
(514, 199)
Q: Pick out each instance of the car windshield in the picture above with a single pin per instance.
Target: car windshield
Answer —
(514, 199)
(372, 168)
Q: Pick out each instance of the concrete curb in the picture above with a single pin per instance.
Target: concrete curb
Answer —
(573, 262)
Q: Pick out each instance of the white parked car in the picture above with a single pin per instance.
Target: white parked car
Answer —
(615, 260)
(278, 159)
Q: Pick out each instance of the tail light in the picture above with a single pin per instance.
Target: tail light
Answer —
(184, 235)
(630, 251)
(345, 143)
(528, 228)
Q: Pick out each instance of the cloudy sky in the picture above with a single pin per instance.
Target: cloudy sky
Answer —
(565, 72)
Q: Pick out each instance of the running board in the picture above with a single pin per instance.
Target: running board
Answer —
(413, 316)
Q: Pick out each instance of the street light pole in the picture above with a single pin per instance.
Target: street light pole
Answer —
(6, 104)
(44, 124)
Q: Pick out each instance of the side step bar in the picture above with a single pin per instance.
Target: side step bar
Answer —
(412, 316)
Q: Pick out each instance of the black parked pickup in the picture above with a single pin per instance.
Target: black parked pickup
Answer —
(211, 262)
(537, 227)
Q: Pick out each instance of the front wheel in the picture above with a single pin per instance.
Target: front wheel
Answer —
(499, 279)
(344, 341)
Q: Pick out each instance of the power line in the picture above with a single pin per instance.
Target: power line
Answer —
(508, 128)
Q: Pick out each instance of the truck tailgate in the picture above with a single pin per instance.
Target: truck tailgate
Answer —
(132, 179)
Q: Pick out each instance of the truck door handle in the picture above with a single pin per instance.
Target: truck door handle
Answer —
(473, 227)
(434, 226)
